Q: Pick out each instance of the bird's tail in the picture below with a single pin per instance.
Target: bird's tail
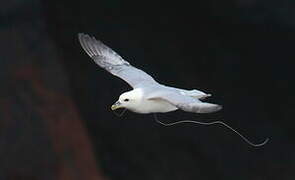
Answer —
(208, 107)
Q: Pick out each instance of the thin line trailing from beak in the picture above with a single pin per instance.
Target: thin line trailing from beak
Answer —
(120, 114)
(211, 123)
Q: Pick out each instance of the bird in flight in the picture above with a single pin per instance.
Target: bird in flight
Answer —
(147, 95)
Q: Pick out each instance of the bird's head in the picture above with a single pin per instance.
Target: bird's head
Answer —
(128, 100)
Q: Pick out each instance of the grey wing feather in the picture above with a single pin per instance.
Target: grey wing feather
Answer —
(108, 59)
(186, 103)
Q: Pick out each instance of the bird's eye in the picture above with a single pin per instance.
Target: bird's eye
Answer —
(126, 100)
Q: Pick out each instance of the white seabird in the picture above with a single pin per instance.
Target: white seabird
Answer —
(147, 96)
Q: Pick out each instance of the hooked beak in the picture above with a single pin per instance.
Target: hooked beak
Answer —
(117, 105)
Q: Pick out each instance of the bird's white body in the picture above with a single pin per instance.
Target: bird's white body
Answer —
(145, 106)
(139, 103)
(146, 100)
(153, 106)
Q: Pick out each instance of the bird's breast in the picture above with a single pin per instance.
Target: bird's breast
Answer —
(154, 106)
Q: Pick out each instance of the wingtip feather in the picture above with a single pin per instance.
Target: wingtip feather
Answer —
(86, 43)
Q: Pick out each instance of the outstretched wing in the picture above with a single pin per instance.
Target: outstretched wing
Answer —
(185, 103)
(108, 59)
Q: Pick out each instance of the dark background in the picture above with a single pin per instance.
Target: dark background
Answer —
(56, 121)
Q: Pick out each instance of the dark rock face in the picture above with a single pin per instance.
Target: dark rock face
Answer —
(55, 118)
